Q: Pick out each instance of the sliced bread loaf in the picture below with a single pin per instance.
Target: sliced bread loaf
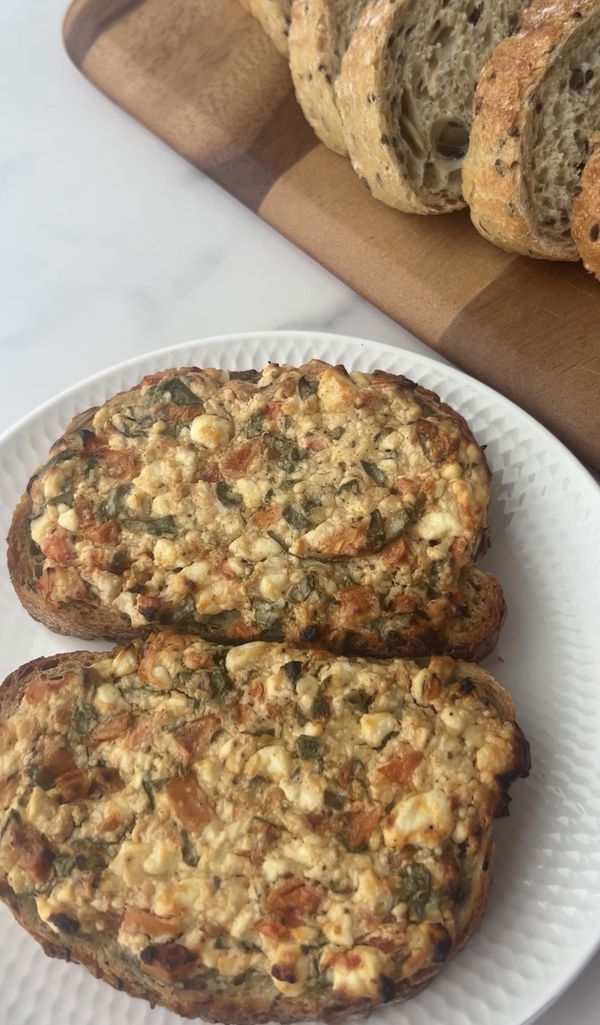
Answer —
(585, 225)
(537, 103)
(405, 95)
(319, 36)
(274, 16)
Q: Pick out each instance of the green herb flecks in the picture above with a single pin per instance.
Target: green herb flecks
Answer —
(414, 889)
(227, 495)
(373, 471)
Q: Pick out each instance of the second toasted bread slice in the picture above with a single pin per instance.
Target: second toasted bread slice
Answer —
(301, 503)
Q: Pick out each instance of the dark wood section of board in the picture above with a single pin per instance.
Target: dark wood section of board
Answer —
(203, 77)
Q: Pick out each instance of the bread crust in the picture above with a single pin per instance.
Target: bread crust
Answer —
(314, 42)
(368, 125)
(585, 227)
(494, 183)
(470, 632)
(274, 17)
(257, 1003)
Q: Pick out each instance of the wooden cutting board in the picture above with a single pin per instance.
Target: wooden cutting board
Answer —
(204, 78)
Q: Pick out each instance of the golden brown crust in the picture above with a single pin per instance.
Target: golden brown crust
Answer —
(495, 171)
(314, 40)
(217, 1000)
(585, 226)
(274, 17)
(467, 627)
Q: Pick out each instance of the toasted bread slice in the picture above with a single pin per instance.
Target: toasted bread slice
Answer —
(299, 503)
(319, 36)
(254, 834)
(405, 94)
(536, 108)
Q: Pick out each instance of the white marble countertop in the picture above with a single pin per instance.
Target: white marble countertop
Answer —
(113, 246)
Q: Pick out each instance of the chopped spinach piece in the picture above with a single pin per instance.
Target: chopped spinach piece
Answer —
(376, 530)
(160, 526)
(307, 386)
(266, 614)
(180, 394)
(252, 376)
(293, 670)
(227, 495)
(334, 800)
(67, 498)
(336, 433)
(184, 610)
(131, 424)
(359, 699)
(188, 850)
(373, 471)
(296, 518)
(254, 427)
(414, 889)
(219, 622)
(308, 748)
(301, 590)
(288, 452)
(320, 708)
(219, 682)
(112, 506)
(352, 486)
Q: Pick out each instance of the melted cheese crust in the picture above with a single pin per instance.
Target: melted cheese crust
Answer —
(300, 503)
(312, 819)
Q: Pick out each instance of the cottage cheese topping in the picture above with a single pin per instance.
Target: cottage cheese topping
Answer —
(304, 503)
(314, 820)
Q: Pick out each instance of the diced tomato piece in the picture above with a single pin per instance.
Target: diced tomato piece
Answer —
(72, 786)
(56, 764)
(273, 928)
(112, 727)
(57, 546)
(120, 465)
(265, 518)
(292, 893)
(189, 802)
(400, 770)
(135, 920)
(41, 688)
(168, 962)
(101, 533)
(357, 603)
(357, 827)
(32, 851)
(194, 737)
(107, 780)
(236, 461)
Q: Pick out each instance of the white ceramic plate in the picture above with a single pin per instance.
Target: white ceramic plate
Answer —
(543, 921)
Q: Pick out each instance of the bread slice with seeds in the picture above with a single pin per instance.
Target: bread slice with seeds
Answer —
(308, 503)
(319, 36)
(537, 104)
(405, 95)
(275, 793)
(274, 16)
(585, 225)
